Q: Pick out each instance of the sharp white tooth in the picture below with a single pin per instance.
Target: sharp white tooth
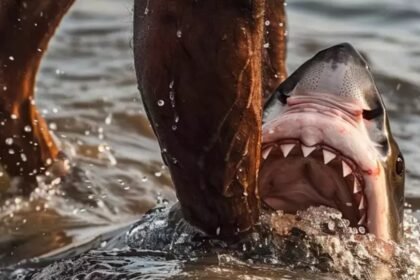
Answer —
(356, 186)
(266, 152)
(328, 156)
(362, 204)
(362, 219)
(286, 148)
(346, 170)
(307, 150)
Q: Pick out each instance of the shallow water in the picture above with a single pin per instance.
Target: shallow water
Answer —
(87, 92)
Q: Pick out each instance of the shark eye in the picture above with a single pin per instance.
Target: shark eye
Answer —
(372, 114)
(399, 166)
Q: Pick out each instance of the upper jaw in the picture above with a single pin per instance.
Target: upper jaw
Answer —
(313, 128)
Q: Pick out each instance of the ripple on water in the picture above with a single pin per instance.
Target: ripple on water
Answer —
(288, 246)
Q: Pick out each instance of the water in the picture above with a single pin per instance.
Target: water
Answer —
(87, 92)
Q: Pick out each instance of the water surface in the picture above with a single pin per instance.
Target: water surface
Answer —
(87, 92)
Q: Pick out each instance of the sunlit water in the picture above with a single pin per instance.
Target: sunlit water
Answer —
(87, 92)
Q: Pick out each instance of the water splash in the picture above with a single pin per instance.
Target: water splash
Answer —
(317, 240)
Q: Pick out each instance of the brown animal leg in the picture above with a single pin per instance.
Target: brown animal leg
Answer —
(274, 52)
(200, 72)
(26, 146)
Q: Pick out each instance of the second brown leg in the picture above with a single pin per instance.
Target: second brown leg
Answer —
(26, 27)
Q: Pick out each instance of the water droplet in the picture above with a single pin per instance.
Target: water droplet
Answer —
(144, 179)
(4, 88)
(267, 23)
(11, 152)
(23, 157)
(160, 103)
(53, 126)
(101, 148)
(179, 34)
(171, 84)
(27, 128)
(331, 225)
(172, 95)
(9, 141)
(266, 45)
(158, 174)
(11, 58)
(174, 127)
(13, 117)
(108, 119)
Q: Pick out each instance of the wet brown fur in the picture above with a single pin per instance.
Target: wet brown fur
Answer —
(26, 28)
(206, 61)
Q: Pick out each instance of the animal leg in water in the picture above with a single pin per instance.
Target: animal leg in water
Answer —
(26, 146)
(200, 72)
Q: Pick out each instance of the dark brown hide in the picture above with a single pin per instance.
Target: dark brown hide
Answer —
(25, 28)
(274, 54)
(200, 72)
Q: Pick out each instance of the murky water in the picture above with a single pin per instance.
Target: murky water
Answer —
(87, 92)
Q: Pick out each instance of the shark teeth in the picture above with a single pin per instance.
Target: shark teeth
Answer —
(286, 148)
(307, 150)
(362, 220)
(359, 202)
(356, 186)
(266, 152)
(362, 204)
(346, 169)
(328, 156)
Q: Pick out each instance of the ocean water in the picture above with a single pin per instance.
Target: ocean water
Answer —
(87, 92)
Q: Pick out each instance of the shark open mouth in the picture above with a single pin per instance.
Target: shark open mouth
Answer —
(295, 176)
(326, 141)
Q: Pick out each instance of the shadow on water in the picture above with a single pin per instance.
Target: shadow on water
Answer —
(87, 92)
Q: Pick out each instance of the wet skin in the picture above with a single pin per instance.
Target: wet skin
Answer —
(203, 87)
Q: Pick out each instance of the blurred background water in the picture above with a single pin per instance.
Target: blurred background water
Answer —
(87, 92)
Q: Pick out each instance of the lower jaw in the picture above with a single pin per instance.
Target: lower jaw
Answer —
(313, 208)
